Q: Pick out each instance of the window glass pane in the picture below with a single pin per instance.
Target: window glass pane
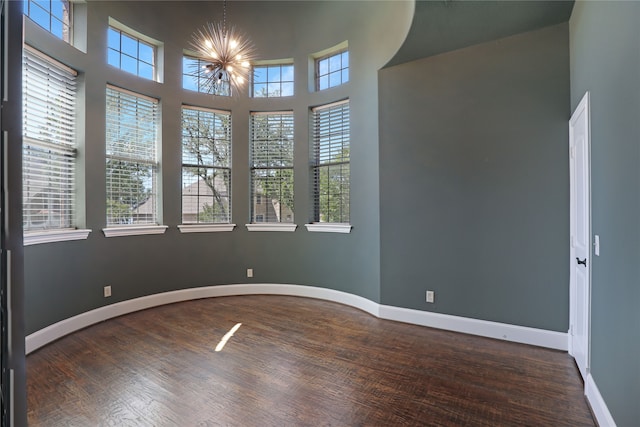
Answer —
(44, 4)
(57, 28)
(323, 82)
(113, 39)
(113, 58)
(334, 79)
(58, 9)
(129, 64)
(273, 90)
(335, 63)
(145, 70)
(323, 66)
(260, 75)
(40, 17)
(287, 89)
(206, 158)
(189, 83)
(260, 90)
(345, 75)
(345, 59)
(48, 146)
(146, 53)
(287, 73)
(273, 74)
(129, 46)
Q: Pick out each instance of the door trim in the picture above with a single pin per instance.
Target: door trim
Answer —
(583, 106)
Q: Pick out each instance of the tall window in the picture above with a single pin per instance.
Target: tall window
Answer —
(192, 79)
(49, 91)
(52, 15)
(272, 81)
(332, 70)
(206, 166)
(330, 171)
(272, 167)
(131, 54)
(132, 164)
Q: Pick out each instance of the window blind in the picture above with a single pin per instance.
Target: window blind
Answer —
(331, 165)
(131, 155)
(49, 99)
(272, 167)
(206, 166)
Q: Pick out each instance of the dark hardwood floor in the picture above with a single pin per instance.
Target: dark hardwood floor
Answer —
(294, 362)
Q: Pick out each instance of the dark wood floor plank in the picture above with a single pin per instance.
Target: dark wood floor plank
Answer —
(294, 362)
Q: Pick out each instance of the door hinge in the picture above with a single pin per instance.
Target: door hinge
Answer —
(572, 152)
(572, 242)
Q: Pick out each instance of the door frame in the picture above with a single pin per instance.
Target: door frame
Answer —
(583, 106)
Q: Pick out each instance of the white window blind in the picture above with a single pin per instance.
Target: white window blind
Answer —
(132, 164)
(272, 167)
(206, 166)
(330, 171)
(49, 98)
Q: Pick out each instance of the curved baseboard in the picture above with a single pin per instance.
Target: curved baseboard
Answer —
(521, 334)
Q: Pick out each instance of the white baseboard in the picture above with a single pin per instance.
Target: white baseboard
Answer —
(598, 406)
(484, 328)
(521, 334)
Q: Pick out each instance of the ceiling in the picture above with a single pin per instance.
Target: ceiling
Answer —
(444, 25)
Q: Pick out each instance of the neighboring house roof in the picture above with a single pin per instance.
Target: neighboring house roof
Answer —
(191, 205)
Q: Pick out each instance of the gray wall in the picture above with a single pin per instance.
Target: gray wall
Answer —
(605, 60)
(474, 181)
(65, 279)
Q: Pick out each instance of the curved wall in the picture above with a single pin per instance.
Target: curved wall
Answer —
(66, 278)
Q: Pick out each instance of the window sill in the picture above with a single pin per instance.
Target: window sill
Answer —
(134, 230)
(276, 226)
(325, 227)
(205, 228)
(52, 236)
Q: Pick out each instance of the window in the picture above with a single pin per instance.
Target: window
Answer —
(132, 165)
(206, 166)
(52, 15)
(272, 81)
(131, 54)
(330, 171)
(332, 70)
(192, 79)
(49, 91)
(272, 167)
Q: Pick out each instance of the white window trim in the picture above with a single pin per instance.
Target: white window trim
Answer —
(205, 228)
(327, 227)
(53, 236)
(272, 226)
(134, 230)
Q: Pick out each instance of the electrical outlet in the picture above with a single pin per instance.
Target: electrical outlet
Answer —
(107, 291)
(249, 272)
(431, 296)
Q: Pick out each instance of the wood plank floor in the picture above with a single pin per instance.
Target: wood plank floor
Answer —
(294, 362)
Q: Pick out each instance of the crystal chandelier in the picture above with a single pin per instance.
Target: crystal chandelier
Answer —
(226, 55)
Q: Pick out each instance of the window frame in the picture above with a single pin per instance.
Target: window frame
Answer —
(27, 11)
(269, 165)
(226, 167)
(328, 57)
(318, 151)
(152, 162)
(57, 150)
(139, 40)
(279, 82)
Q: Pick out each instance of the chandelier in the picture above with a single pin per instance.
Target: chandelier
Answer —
(225, 57)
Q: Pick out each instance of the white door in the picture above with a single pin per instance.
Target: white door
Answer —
(580, 239)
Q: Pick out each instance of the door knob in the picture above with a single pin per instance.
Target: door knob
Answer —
(583, 262)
